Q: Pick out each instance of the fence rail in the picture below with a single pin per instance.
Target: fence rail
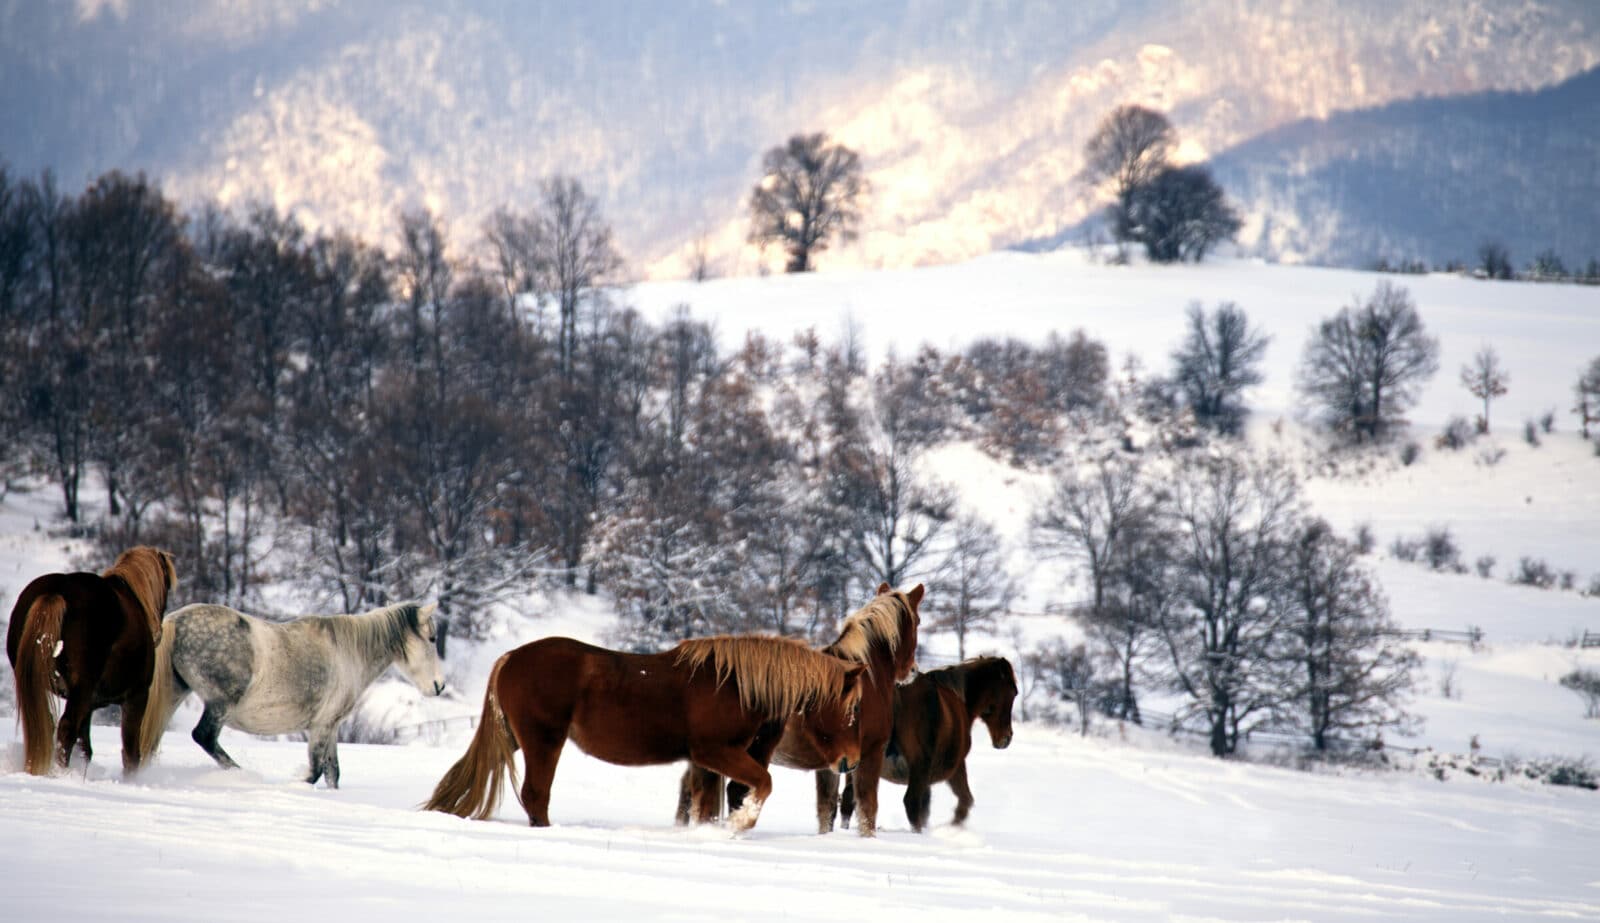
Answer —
(1590, 639)
(1472, 635)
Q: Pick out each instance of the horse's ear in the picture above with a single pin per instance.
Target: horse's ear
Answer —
(915, 596)
(884, 588)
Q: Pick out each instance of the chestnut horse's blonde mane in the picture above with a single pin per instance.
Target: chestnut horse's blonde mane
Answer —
(149, 573)
(775, 676)
(878, 620)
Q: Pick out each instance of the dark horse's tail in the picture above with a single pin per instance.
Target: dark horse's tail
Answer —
(472, 786)
(36, 654)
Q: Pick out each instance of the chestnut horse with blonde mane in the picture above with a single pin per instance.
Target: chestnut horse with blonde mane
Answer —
(883, 636)
(705, 700)
(91, 639)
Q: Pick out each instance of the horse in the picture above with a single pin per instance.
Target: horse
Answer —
(91, 639)
(883, 636)
(705, 700)
(306, 674)
(933, 718)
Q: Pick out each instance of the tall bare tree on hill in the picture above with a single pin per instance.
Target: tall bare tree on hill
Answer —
(1129, 149)
(1365, 366)
(1485, 378)
(809, 195)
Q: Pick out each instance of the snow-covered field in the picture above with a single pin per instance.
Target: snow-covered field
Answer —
(1146, 827)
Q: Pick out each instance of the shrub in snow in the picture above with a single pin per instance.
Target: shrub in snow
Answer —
(1530, 433)
(1485, 566)
(1547, 421)
(1409, 453)
(1534, 572)
(1594, 586)
(1565, 770)
(1586, 683)
(1440, 550)
(1458, 434)
(1405, 549)
(1491, 456)
(1448, 687)
(1569, 579)
(1365, 540)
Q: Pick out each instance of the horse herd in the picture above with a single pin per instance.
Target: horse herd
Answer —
(730, 705)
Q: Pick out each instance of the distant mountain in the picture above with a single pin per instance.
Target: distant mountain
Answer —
(1429, 179)
(969, 116)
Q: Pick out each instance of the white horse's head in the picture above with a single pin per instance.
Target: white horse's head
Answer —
(420, 657)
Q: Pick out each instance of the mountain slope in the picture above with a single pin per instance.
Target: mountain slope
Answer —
(1429, 179)
(969, 117)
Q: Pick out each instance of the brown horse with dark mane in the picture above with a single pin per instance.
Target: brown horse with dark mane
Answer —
(705, 701)
(91, 639)
(933, 717)
(883, 636)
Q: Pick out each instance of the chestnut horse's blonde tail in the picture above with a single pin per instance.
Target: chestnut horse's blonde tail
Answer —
(471, 788)
(163, 700)
(35, 668)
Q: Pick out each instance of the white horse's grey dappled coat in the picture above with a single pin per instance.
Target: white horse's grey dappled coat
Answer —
(276, 678)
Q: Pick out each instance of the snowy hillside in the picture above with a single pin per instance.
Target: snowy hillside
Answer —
(1126, 824)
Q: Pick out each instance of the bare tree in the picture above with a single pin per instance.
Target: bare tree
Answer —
(1090, 516)
(1587, 393)
(1494, 260)
(1486, 379)
(1354, 673)
(809, 195)
(972, 589)
(1365, 365)
(1068, 673)
(1126, 152)
(1232, 516)
(1219, 359)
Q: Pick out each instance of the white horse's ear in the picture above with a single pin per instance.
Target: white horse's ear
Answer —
(427, 610)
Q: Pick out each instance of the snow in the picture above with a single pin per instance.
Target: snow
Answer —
(1142, 827)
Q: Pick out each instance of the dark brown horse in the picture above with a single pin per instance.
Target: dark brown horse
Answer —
(933, 717)
(704, 701)
(90, 638)
(883, 636)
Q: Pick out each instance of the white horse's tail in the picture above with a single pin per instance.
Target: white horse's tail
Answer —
(163, 700)
(471, 787)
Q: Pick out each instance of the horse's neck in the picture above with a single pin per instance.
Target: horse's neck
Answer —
(375, 649)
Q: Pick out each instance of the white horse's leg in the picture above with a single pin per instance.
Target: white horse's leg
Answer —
(323, 748)
(207, 731)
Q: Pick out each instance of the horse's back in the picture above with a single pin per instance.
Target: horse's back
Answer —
(92, 606)
(212, 651)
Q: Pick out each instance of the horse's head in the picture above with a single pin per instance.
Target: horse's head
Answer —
(419, 657)
(831, 727)
(991, 689)
(905, 665)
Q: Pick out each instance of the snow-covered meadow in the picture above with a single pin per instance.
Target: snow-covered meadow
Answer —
(1124, 824)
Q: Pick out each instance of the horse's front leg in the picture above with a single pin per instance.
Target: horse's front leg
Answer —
(323, 748)
(866, 787)
(964, 799)
(847, 801)
(741, 767)
(699, 796)
(827, 799)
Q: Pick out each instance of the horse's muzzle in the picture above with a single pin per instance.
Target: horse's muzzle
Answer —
(1003, 742)
(846, 766)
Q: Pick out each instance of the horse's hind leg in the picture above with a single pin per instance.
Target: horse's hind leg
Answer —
(208, 730)
(73, 728)
(964, 799)
(918, 799)
(540, 753)
(847, 802)
(827, 799)
(699, 796)
(133, 710)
